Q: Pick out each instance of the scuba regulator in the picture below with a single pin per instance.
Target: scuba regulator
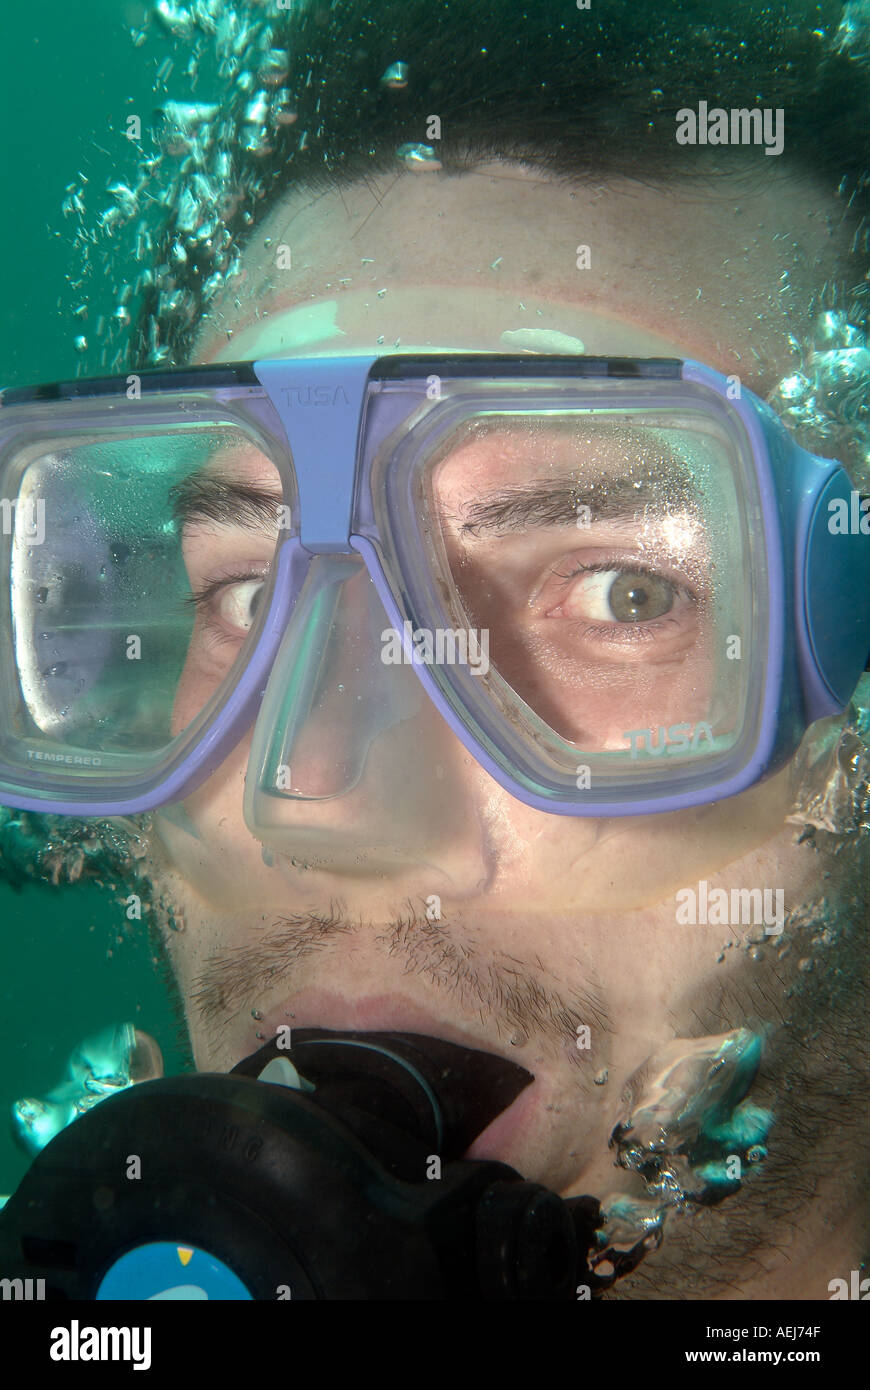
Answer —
(331, 1168)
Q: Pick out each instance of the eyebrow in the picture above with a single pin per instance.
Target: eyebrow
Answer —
(556, 502)
(207, 497)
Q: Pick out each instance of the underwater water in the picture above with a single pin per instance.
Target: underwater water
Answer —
(70, 962)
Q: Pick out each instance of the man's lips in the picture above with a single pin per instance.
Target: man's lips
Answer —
(395, 1013)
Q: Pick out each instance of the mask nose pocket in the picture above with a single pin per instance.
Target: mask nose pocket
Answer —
(329, 696)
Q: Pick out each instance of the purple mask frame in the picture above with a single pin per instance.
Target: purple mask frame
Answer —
(817, 642)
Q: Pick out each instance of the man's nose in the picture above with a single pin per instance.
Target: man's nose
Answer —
(352, 768)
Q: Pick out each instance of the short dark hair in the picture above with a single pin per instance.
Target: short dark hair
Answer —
(578, 93)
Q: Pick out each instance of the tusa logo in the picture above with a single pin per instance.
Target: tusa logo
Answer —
(679, 738)
(315, 395)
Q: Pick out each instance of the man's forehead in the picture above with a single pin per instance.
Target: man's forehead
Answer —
(723, 270)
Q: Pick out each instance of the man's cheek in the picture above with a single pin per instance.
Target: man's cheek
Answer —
(640, 862)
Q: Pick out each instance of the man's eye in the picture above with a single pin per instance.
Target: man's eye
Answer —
(229, 603)
(616, 596)
(237, 604)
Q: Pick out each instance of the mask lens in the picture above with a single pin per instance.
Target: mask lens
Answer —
(138, 567)
(601, 563)
(583, 567)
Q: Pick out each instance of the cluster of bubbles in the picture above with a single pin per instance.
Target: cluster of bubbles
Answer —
(831, 774)
(826, 399)
(202, 173)
(681, 1131)
(62, 849)
(853, 35)
(115, 854)
(195, 197)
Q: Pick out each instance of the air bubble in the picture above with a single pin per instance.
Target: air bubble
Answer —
(395, 77)
(418, 158)
(283, 108)
(274, 68)
(519, 1038)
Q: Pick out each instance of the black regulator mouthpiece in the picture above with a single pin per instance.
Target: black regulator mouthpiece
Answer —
(330, 1168)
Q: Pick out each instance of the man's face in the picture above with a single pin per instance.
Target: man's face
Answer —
(547, 923)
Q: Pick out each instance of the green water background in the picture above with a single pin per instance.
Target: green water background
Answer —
(70, 963)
